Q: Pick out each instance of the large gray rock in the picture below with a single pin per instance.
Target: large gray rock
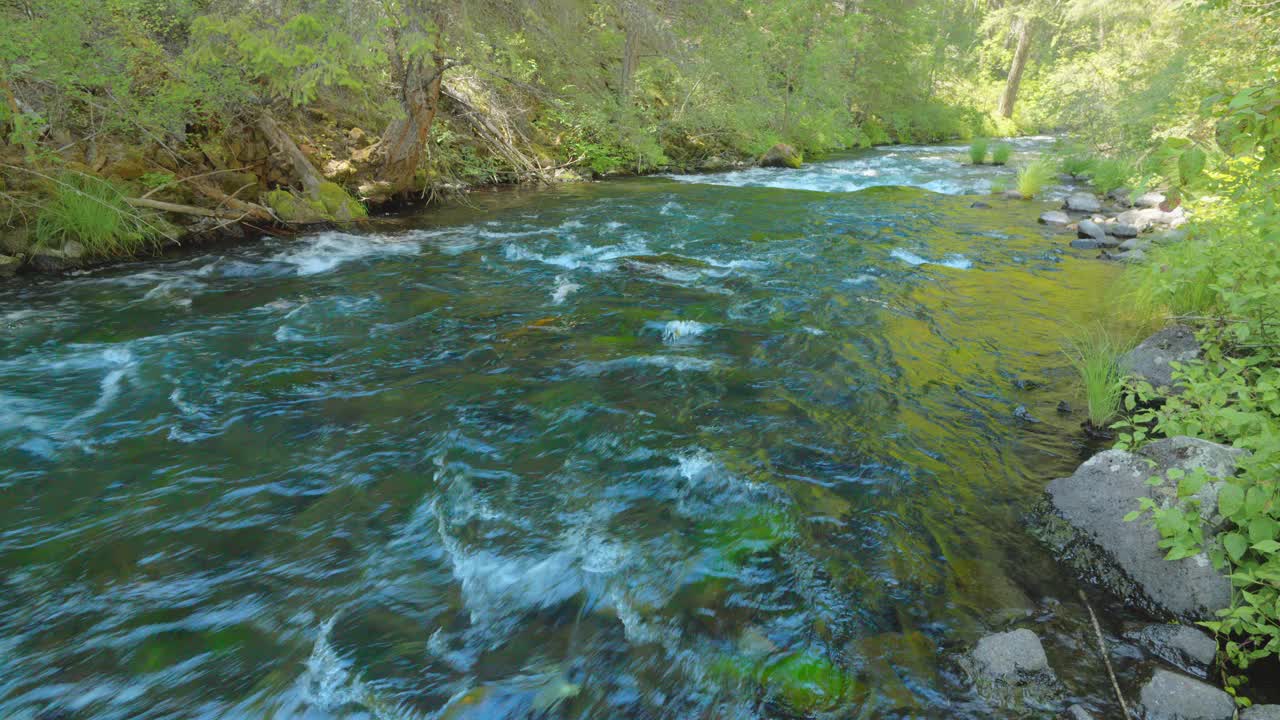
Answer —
(1121, 196)
(1135, 244)
(9, 265)
(1147, 218)
(1083, 522)
(1091, 230)
(1086, 244)
(1151, 360)
(1055, 217)
(1083, 202)
(1132, 256)
(1170, 696)
(46, 259)
(1261, 712)
(1185, 648)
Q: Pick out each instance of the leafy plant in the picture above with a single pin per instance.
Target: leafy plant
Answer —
(978, 151)
(1095, 354)
(93, 212)
(1001, 153)
(1109, 174)
(1034, 177)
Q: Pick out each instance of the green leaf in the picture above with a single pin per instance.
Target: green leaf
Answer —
(1230, 499)
(1236, 545)
(1267, 547)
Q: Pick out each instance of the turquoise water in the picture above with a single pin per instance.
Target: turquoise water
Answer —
(730, 446)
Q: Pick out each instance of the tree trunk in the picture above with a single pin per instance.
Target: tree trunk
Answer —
(405, 140)
(1019, 65)
(629, 49)
(283, 144)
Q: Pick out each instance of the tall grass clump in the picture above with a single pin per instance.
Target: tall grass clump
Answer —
(978, 151)
(1034, 177)
(1181, 279)
(1077, 164)
(94, 213)
(1095, 353)
(1001, 153)
(1109, 174)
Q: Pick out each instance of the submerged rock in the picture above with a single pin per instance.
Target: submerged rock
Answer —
(1170, 696)
(1012, 669)
(1185, 648)
(782, 156)
(1055, 217)
(1076, 712)
(1083, 522)
(980, 206)
(1013, 195)
(1086, 244)
(1083, 202)
(1151, 360)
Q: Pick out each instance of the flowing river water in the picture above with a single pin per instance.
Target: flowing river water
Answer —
(722, 446)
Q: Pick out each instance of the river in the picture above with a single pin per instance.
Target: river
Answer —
(721, 446)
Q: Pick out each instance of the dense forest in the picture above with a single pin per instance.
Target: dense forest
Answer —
(132, 126)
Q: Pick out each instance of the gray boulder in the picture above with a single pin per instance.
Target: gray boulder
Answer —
(1149, 200)
(1121, 230)
(1169, 237)
(46, 259)
(1186, 648)
(9, 265)
(1086, 244)
(1121, 196)
(1146, 218)
(979, 205)
(782, 155)
(1083, 522)
(1012, 195)
(1135, 244)
(1055, 217)
(1091, 229)
(1261, 712)
(1076, 712)
(1169, 696)
(1150, 361)
(1132, 256)
(1083, 202)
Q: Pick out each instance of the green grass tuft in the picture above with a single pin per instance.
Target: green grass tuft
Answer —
(94, 213)
(1095, 354)
(1109, 174)
(1034, 177)
(1077, 164)
(978, 150)
(1001, 153)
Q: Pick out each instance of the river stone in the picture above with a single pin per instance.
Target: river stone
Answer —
(1170, 696)
(1091, 229)
(1011, 655)
(782, 155)
(1132, 256)
(1086, 244)
(1075, 712)
(1011, 669)
(1121, 230)
(9, 265)
(1083, 202)
(1055, 217)
(1150, 361)
(1186, 648)
(47, 259)
(1149, 200)
(1261, 712)
(1083, 522)
(1169, 237)
(1146, 218)
(1135, 244)
(979, 205)
(1013, 195)
(1121, 196)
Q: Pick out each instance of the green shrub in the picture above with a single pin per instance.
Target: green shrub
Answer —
(94, 213)
(1095, 354)
(1034, 177)
(1001, 153)
(978, 151)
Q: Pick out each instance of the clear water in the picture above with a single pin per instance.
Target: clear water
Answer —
(660, 448)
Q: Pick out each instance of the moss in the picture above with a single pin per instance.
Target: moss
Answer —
(806, 682)
(331, 204)
(339, 205)
(292, 209)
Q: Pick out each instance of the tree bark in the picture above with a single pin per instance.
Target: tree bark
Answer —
(405, 140)
(1010, 95)
(629, 49)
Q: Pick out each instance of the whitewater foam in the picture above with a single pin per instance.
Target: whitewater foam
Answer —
(957, 262)
(327, 251)
(682, 332)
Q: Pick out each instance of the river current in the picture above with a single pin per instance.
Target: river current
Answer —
(740, 445)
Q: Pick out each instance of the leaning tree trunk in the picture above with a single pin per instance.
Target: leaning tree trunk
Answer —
(1019, 65)
(405, 140)
(286, 147)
